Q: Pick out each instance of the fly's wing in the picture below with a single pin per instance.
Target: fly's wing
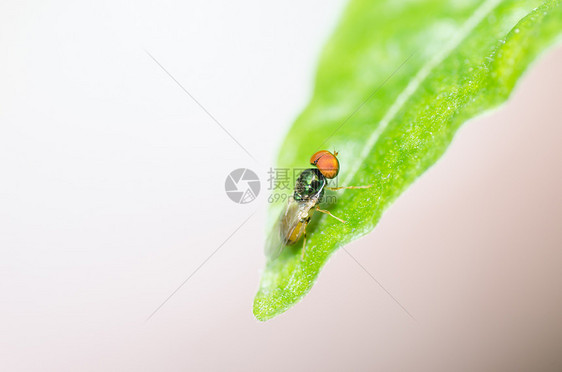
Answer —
(283, 228)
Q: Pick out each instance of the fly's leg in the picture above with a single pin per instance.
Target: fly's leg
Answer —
(348, 187)
(329, 214)
(304, 237)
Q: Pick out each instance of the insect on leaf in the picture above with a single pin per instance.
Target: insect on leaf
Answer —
(394, 83)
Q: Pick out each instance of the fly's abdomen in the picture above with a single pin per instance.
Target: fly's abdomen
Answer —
(291, 236)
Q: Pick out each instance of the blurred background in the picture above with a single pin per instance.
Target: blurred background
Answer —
(112, 194)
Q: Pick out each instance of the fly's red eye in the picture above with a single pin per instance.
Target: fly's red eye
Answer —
(326, 162)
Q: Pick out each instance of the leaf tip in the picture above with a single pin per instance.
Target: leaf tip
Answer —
(269, 304)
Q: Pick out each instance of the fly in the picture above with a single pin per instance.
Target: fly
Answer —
(308, 193)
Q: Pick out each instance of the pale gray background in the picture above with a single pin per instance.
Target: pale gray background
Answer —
(112, 194)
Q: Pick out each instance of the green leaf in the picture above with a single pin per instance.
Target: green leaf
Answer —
(394, 84)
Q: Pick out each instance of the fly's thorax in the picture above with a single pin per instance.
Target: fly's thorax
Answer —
(310, 184)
